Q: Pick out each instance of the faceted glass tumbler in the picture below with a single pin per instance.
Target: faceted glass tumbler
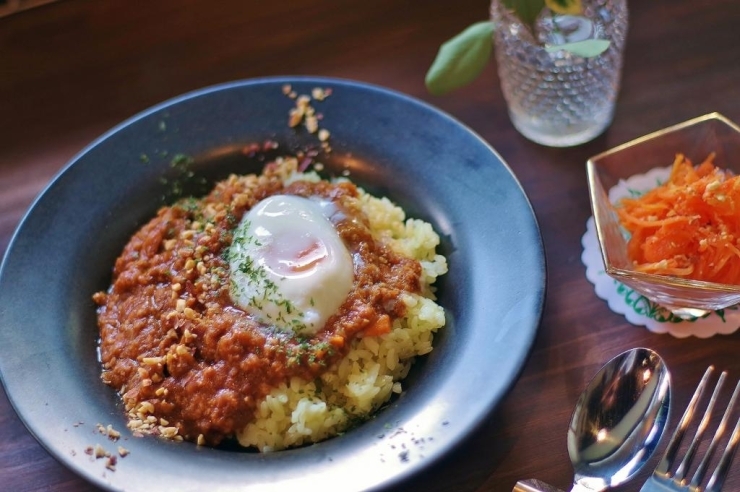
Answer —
(696, 139)
(556, 98)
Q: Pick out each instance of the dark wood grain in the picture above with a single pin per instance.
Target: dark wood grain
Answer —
(72, 69)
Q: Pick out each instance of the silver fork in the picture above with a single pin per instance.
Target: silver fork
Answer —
(662, 480)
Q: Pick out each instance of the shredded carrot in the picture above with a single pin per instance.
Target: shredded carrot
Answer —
(689, 226)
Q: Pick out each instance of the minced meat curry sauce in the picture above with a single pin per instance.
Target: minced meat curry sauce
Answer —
(188, 363)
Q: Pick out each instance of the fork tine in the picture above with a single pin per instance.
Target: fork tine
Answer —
(720, 473)
(702, 468)
(670, 453)
(689, 456)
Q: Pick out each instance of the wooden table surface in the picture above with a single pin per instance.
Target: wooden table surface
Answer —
(72, 69)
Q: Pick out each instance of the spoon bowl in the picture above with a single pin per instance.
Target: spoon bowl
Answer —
(618, 420)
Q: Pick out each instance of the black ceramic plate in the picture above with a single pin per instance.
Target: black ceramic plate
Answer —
(393, 145)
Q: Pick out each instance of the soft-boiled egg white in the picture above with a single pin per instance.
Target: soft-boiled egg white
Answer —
(289, 267)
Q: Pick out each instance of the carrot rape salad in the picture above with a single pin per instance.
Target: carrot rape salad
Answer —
(688, 227)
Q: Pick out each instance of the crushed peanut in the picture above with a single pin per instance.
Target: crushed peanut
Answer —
(168, 432)
(99, 452)
(318, 94)
(145, 407)
(304, 112)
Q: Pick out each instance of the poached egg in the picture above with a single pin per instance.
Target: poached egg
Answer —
(289, 267)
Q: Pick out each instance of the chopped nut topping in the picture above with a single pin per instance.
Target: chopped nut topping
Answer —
(295, 118)
(146, 407)
(99, 451)
(312, 124)
(134, 423)
(168, 432)
(318, 94)
(302, 101)
(109, 431)
(304, 113)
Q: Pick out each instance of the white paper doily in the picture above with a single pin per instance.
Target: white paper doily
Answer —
(638, 309)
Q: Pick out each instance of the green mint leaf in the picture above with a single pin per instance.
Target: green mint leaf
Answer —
(588, 48)
(526, 10)
(461, 59)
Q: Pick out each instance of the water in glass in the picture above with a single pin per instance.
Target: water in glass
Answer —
(558, 98)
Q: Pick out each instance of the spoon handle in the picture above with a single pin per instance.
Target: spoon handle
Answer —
(533, 485)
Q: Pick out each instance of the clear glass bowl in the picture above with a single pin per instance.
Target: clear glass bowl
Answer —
(696, 139)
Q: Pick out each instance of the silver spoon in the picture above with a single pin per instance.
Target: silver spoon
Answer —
(617, 423)
(619, 420)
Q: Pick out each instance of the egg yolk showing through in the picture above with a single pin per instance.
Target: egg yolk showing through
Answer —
(289, 267)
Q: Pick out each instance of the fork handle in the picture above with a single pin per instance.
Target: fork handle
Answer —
(532, 485)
